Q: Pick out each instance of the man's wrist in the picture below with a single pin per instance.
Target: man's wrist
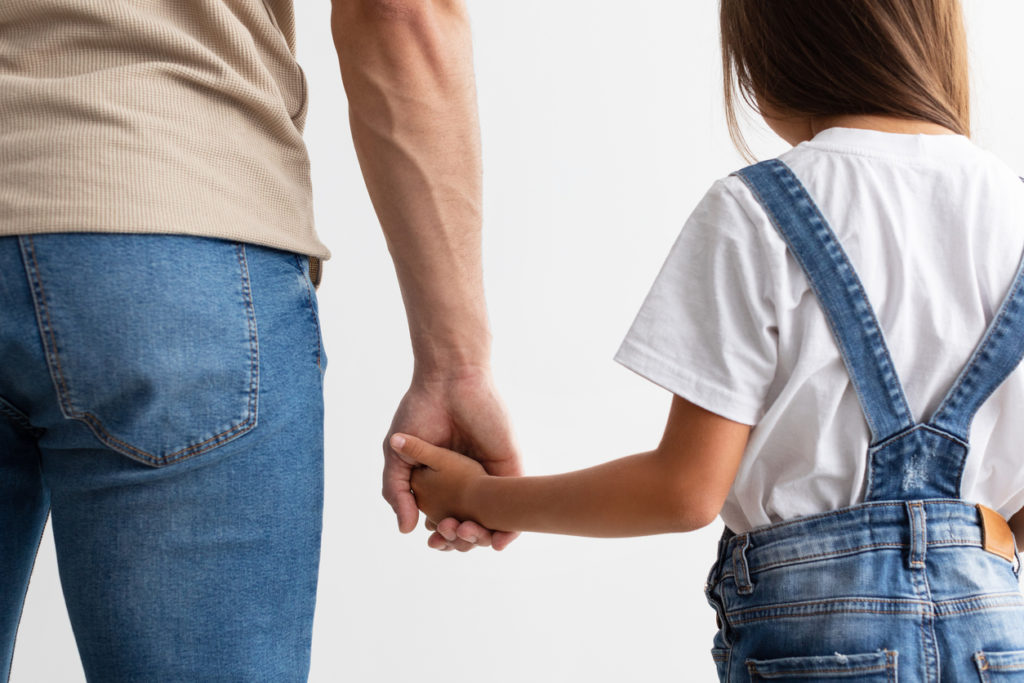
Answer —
(467, 358)
(450, 374)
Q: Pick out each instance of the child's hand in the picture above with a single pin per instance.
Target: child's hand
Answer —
(441, 487)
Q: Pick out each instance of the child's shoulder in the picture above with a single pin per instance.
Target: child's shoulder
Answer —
(730, 218)
(727, 200)
(729, 205)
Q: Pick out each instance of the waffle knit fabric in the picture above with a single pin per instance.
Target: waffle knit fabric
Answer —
(155, 116)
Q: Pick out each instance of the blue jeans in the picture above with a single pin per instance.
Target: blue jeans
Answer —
(859, 594)
(161, 399)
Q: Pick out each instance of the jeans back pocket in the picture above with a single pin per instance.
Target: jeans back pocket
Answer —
(1000, 666)
(151, 340)
(872, 667)
(721, 659)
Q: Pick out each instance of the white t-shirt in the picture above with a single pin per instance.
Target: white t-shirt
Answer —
(934, 227)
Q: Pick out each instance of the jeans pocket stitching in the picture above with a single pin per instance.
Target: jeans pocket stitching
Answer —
(987, 661)
(50, 346)
(882, 661)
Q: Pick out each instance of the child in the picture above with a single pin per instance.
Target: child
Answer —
(812, 306)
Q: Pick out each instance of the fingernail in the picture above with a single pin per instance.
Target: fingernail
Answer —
(471, 539)
(448, 536)
(397, 441)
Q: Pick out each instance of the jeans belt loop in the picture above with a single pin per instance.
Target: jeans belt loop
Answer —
(740, 570)
(918, 534)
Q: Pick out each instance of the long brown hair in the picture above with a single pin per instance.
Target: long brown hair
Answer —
(905, 58)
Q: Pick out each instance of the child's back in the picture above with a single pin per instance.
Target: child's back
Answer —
(914, 577)
(934, 227)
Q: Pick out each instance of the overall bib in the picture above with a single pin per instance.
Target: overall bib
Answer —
(913, 584)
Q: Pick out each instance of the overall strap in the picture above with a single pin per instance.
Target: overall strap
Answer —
(839, 291)
(997, 355)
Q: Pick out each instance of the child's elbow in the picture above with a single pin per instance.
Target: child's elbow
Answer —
(702, 516)
(691, 512)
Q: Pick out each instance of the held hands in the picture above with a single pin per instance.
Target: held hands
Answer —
(445, 483)
(462, 411)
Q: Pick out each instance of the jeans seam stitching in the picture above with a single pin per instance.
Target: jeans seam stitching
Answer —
(955, 396)
(852, 669)
(46, 329)
(928, 609)
(971, 542)
(19, 420)
(769, 617)
(816, 603)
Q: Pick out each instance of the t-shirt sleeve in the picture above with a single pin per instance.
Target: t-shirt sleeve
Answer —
(707, 329)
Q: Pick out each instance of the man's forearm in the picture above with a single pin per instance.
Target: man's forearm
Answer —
(408, 73)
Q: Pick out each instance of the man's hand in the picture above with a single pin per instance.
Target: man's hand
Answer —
(461, 412)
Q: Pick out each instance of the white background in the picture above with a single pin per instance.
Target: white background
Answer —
(602, 127)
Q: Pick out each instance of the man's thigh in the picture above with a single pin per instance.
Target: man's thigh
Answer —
(23, 507)
(186, 467)
(205, 573)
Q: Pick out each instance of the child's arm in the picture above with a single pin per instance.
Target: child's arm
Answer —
(680, 486)
(1017, 527)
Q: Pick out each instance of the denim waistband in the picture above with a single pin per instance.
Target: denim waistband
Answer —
(860, 528)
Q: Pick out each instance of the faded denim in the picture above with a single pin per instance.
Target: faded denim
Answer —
(900, 586)
(161, 399)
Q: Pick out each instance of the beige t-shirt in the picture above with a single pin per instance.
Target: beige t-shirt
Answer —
(154, 116)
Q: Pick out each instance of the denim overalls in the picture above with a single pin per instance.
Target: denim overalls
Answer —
(914, 584)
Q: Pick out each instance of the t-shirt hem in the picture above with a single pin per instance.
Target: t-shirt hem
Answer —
(654, 367)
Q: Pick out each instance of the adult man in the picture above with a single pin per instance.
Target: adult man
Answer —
(160, 358)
